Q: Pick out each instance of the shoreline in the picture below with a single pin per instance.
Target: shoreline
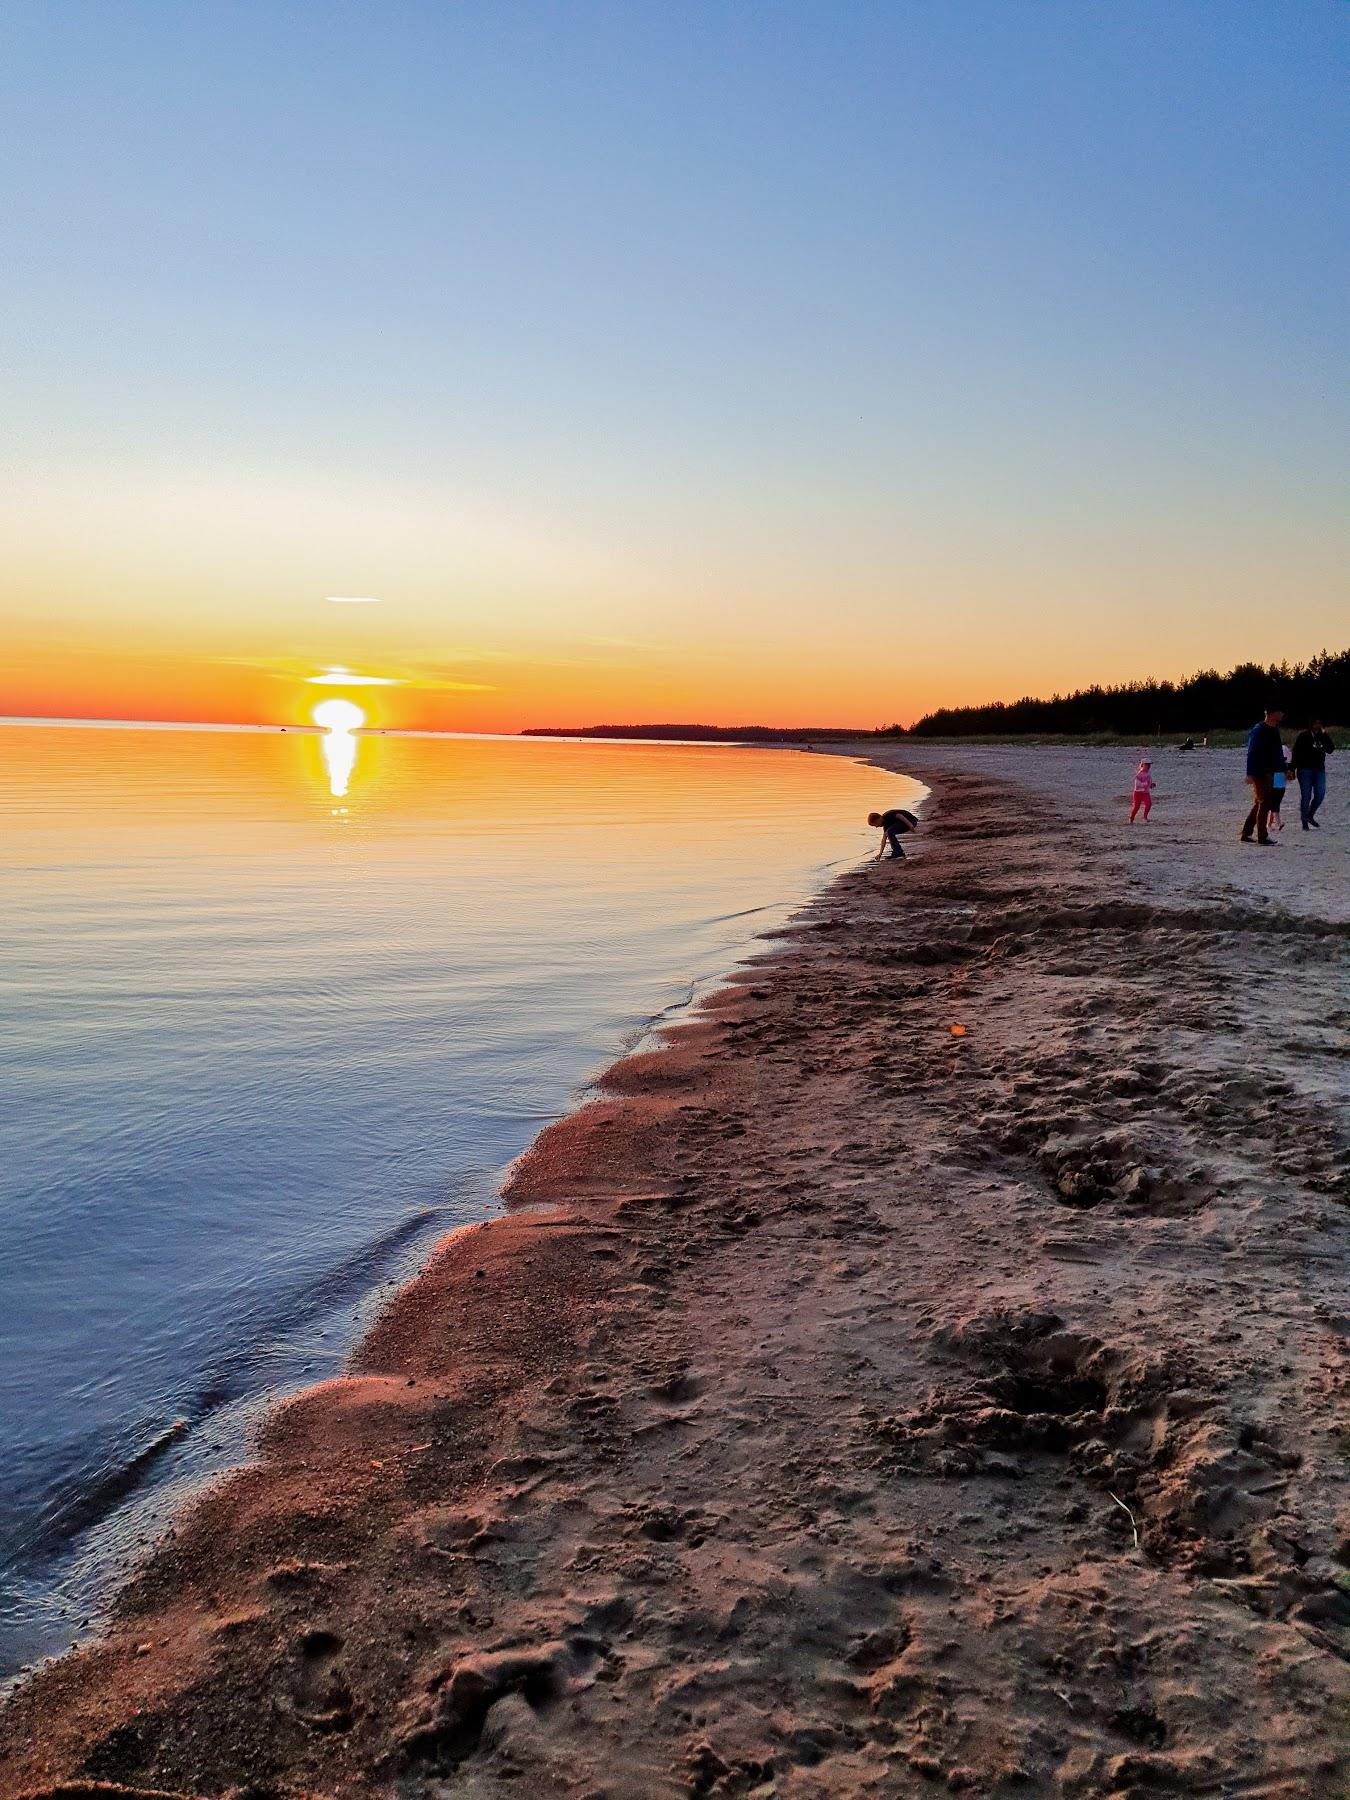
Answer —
(596, 1508)
(468, 986)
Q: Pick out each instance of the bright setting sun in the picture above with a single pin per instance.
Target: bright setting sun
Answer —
(338, 715)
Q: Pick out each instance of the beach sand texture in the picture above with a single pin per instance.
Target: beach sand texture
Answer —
(926, 1374)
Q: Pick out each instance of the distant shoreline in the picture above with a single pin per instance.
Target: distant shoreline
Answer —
(759, 737)
(765, 736)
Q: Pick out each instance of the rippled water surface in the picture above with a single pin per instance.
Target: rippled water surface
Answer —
(261, 1042)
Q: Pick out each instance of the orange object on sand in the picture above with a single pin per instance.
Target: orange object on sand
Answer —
(958, 1031)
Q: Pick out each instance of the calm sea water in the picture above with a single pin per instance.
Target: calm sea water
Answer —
(274, 1020)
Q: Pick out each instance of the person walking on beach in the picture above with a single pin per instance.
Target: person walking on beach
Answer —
(1265, 754)
(1143, 790)
(1312, 747)
(894, 824)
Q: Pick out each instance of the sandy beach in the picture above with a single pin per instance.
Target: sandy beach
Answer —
(926, 1373)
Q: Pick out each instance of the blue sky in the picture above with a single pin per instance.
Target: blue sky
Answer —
(1019, 322)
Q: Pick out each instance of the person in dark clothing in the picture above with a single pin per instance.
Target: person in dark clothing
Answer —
(894, 824)
(1312, 747)
(1265, 754)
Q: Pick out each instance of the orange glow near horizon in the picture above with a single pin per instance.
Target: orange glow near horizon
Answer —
(506, 690)
(415, 666)
(601, 684)
(160, 689)
(165, 599)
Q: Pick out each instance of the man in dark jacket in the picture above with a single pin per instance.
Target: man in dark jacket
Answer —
(1311, 750)
(1265, 754)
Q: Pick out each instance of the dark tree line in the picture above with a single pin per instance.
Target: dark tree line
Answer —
(1204, 702)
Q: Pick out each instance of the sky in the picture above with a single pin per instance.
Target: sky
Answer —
(781, 363)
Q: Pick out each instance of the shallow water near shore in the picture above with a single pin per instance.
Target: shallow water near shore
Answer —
(274, 1024)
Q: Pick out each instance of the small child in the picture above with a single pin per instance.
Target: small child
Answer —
(1279, 781)
(1143, 790)
(894, 823)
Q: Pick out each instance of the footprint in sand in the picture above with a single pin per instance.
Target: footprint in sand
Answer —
(319, 1694)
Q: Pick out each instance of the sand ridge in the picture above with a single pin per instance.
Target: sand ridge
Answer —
(854, 1405)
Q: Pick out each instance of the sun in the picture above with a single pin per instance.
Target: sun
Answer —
(338, 715)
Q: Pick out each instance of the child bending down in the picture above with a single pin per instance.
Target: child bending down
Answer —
(1143, 790)
(894, 823)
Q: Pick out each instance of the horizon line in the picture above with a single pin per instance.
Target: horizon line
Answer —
(113, 723)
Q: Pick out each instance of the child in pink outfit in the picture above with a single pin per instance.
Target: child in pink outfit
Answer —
(1143, 790)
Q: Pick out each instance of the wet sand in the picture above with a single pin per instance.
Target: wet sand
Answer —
(926, 1374)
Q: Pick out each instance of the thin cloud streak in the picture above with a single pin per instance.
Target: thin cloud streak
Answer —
(337, 677)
